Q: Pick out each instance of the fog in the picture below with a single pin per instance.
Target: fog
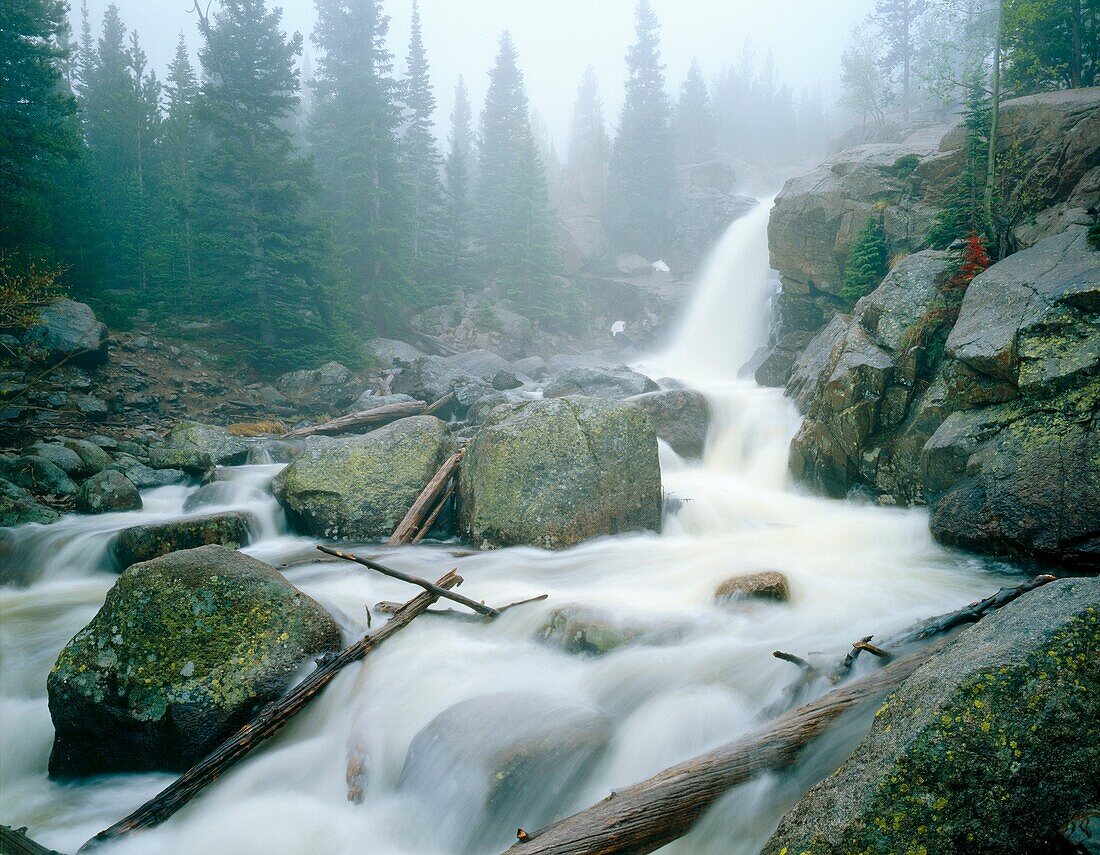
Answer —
(558, 38)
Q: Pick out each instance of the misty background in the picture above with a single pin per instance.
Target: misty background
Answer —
(557, 39)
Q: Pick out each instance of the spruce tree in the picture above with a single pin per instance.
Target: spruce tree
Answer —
(585, 171)
(422, 163)
(259, 253)
(867, 262)
(696, 129)
(354, 135)
(512, 200)
(897, 23)
(36, 132)
(642, 173)
(459, 202)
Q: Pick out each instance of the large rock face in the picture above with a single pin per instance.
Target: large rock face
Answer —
(990, 747)
(681, 418)
(361, 488)
(818, 215)
(68, 331)
(556, 472)
(185, 649)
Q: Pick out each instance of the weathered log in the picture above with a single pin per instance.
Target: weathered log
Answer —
(267, 723)
(14, 841)
(373, 418)
(480, 608)
(975, 611)
(649, 815)
(434, 515)
(416, 520)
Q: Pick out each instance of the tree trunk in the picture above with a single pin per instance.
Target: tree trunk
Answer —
(414, 522)
(15, 842)
(994, 129)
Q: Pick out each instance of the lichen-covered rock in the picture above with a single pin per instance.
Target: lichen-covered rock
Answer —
(67, 460)
(332, 386)
(18, 507)
(496, 757)
(556, 472)
(223, 448)
(38, 475)
(990, 747)
(68, 331)
(146, 542)
(430, 378)
(361, 488)
(106, 492)
(616, 383)
(681, 418)
(184, 651)
(766, 585)
(186, 458)
(93, 458)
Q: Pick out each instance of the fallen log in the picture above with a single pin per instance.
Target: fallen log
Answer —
(416, 521)
(14, 841)
(434, 515)
(649, 815)
(267, 723)
(372, 418)
(480, 608)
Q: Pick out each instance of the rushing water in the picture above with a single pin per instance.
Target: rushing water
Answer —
(854, 569)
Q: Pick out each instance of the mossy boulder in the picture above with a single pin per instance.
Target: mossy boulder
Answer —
(766, 585)
(361, 488)
(37, 475)
(67, 460)
(146, 542)
(93, 458)
(184, 651)
(17, 507)
(990, 747)
(553, 473)
(106, 492)
(223, 448)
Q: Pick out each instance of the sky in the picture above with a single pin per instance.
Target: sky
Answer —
(556, 39)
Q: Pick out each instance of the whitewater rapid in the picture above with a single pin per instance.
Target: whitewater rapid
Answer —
(854, 569)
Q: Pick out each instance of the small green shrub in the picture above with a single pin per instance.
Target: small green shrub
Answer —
(867, 262)
(906, 165)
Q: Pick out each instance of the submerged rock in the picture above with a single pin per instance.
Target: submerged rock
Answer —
(990, 747)
(768, 585)
(146, 542)
(223, 448)
(576, 629)
(219, 493)
(614, 383)
(107, 492)
(556, 472)
(184, 651)
(361, 488)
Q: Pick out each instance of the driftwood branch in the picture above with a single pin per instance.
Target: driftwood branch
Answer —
(421, 516)
(388, 608)
(269, 722)
(364, 419)
(975, 611)
(646, 816)
(14, 841)
(480, 608)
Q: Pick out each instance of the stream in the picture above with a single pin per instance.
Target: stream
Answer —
(854, 569)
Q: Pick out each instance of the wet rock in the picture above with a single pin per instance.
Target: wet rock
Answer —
(990, 747)
(37, 475)
(93, 458)
(681, 418)
(331, 386)
(197, 464)
(430, 378)
(146, 542)
(223, 448)
(531, 366)
(480, 411)
(768, 585)
(483, 364)
(556, 472)
(184, 651)
(68, 331)
(107, 492)
(144, 477)
(220, 493)
(67, 460)
(614, 383)
(504, 380)
(576, 629)
(361, 488)
(495, 757)
(18, 507)
(1079, 836)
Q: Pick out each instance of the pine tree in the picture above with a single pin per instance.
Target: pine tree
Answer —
(422, 165)
(589, 144)
(36, 134)
(897, 23)
(867, 262)
(354, 136)
(512, 198)
(641, 176)
(696, 129)
(259, 253)
(459, 202)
